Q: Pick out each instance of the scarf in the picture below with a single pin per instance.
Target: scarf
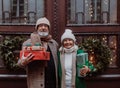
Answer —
(47, 38)
(73, 51)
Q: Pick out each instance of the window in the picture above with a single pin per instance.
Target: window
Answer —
(18, 11)
(91, 11)
(21, 11)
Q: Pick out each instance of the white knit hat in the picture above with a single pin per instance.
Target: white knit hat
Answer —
(68, 34)
(43, 20)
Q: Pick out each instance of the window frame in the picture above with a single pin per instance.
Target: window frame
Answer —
(29, 15)
(83, 19)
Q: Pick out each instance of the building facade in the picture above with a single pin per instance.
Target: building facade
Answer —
(87, 18)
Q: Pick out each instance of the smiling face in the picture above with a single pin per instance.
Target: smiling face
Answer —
(68, 43)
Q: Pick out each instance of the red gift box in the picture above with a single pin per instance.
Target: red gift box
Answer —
(38, 54)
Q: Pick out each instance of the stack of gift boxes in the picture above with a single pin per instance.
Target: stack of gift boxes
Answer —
(37, 50)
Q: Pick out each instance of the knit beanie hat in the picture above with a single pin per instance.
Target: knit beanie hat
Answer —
(68, 34)
(43, 20)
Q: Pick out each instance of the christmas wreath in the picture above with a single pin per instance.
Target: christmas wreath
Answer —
(99, 53)
(7, 51)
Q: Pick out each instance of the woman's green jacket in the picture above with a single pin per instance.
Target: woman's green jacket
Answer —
(80, 82)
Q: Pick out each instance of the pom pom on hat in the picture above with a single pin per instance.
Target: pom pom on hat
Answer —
(68, 34)
(43, 20)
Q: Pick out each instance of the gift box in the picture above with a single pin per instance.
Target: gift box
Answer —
(82, 58)
(39, 52)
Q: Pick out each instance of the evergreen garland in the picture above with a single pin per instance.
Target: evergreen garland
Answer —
(7, 48)
(92, 46)
(100, 51)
